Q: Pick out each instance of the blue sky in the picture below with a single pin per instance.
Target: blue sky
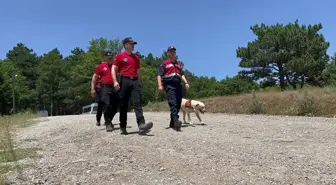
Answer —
(206, 34)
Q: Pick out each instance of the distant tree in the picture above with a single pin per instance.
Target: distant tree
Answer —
(330, 72)
(290, 53)
(51, 75)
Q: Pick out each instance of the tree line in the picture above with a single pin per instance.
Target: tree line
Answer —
(283, 56)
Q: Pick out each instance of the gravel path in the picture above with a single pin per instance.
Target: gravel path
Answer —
(230, 149)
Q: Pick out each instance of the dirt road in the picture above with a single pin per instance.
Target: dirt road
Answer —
(230, 149)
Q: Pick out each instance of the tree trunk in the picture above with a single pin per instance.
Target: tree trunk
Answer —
(292, 83)
(281, 77)
(57, 109)
(51, 106)
(302, 81)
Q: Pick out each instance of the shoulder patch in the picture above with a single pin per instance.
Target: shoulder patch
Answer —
(161, 70)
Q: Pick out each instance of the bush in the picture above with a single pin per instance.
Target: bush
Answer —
(307, 105)
(256, 106)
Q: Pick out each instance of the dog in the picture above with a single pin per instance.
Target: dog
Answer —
(188, 106)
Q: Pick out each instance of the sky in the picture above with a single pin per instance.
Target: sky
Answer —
(206, 33)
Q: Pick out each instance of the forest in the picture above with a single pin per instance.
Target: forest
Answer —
(283, 56)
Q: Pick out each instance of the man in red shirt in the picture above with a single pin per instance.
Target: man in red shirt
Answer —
(170, 76)
(108, 94)
(128, 65)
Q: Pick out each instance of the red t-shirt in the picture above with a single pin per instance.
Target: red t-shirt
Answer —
(104, 71)
(128, 64)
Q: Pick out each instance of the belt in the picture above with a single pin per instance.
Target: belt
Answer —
(173, 84)
(109, 85)
(130, 77)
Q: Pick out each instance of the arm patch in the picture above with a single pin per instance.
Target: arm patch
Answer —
(161, 70)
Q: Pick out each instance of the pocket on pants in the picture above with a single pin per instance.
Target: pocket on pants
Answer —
(138, 84)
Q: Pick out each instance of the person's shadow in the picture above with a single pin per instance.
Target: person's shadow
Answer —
(184, 125)
(130, 133)
(143, 134)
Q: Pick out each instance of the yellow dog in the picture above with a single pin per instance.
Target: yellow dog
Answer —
(188, 106)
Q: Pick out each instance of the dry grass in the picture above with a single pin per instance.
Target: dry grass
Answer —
(9, 154)
(307, 102)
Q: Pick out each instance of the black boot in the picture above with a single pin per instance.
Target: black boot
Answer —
(123, 131)
(171, 124)
(178, 125)
(145, 127)
(109, 126)
(98, 123)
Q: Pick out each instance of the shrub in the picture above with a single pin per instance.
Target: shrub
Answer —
(307, 104)
(256, 106)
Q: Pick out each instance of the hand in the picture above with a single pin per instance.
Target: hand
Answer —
(187, 85)
(160, 88)
(93, 93)
(116, 85)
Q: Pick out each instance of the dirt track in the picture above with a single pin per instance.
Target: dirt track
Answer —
(230, 149)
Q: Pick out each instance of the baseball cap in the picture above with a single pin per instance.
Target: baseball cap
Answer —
(171, 48)
(128, 39)
(108, 53)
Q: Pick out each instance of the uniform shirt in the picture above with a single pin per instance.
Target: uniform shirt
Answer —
(128, 64)
(171, 72)
(104, 71)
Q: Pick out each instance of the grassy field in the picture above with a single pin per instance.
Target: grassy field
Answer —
(9, 153)
(303, 102)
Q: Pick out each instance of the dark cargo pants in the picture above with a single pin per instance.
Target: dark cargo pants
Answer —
(100, 105)
(111, 102)
(174, 96)
(130, 89)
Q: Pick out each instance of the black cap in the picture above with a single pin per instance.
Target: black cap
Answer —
(171, 48)
(108, 53)
(127, 40)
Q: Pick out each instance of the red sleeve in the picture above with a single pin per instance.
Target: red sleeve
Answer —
(117, 60)
(98, 70)
(138, 63)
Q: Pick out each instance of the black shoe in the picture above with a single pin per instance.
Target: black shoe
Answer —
(109, 127)
(98, 123)
(145, 127)
(171, 126)
(123, 131)
(178, 125)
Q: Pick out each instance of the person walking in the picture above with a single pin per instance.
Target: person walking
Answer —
(108, 94)
(129, 86)
(169, 79)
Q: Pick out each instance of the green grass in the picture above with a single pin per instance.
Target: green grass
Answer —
(3, 170)
(17, 154)
(9, 154)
